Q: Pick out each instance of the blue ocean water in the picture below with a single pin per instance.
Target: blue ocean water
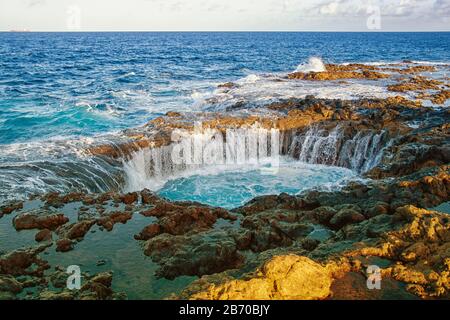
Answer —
(62, 92)
(84, 84)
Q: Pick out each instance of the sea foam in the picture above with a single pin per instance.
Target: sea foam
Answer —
(314, 64)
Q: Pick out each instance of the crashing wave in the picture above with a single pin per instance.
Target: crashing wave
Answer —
(314, 64)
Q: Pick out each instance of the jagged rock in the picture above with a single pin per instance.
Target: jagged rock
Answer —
(7, 296)
(78, 230)
(179, 218)
(344, 217)
(335, 72)
(10, 284)
(10, 207)
(130, 198)
(416, 83)
(39, 220)
(149, 197)
(193, 255)
(97, 287)
(110, 220)
(19, 262)
(50, 295)
(64, 245)
(149, 232)
(424, 236)
(43, 235)
(283, 277)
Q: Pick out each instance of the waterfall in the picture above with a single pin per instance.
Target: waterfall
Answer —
(200, 150)
(360, 151)
(205, 150)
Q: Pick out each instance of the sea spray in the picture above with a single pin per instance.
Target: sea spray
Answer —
(201, 149)
(314, 64)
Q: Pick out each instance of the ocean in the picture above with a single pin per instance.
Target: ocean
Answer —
(61, 92)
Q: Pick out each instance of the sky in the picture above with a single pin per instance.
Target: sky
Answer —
(225, 15)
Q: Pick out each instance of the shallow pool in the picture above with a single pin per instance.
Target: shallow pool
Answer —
(233, 187)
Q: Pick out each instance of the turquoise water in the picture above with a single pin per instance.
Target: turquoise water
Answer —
(69, 84)
(62, 92)
(231, 188)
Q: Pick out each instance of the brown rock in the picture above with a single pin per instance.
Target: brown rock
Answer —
(130, 198)
(10, 284)
(64, 245)
(9, 208)
(345, 217)
(39, 220)
(43, 235)
(148, 232)
(79, 229)
(109, 221)
(282, 278)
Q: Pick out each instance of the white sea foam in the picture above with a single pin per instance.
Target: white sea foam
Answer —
(314, 64)
(250, 79)
(271, 88)
(431, 63)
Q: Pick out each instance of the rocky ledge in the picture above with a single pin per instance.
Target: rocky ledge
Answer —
(315, 245)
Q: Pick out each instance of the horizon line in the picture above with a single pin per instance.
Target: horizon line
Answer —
(220, 31)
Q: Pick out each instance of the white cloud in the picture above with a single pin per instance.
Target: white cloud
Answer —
(48, 15)
(330, 8)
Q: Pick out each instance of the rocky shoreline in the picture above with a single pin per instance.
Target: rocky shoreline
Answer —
(315, 245)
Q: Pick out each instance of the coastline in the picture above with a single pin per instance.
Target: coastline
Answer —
(320, 241)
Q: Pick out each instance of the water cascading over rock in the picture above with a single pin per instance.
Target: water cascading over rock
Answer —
(359, 151)
(152, 167)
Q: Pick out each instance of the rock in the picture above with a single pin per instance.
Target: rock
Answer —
(10, 207)
(148, 232)
(377, 209)
(104, 278)
(10, 284)
(79, 229)
(173, 114)
(6, 296)
(193, 255)
(149, 197)
(309, 244)
(59, 279)
(282, 278)
(179, 218)
(100, 263)
(416, 83)
(50, 295)
(43, 235)
(21, 261)
(130, 198)
(39, 220)
(109, 221)
(64, 245)
(345, 217)
(325, 76)
(99, 286)
(228, 85)
(417, 69)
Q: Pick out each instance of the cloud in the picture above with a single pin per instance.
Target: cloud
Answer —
(389, 8)
(35, 3)
(442, 8)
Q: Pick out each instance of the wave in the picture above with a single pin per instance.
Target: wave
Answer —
(60, 164)
(314, 64)
(250, 79)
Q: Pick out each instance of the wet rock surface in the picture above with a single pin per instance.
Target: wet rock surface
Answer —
(315, 245)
